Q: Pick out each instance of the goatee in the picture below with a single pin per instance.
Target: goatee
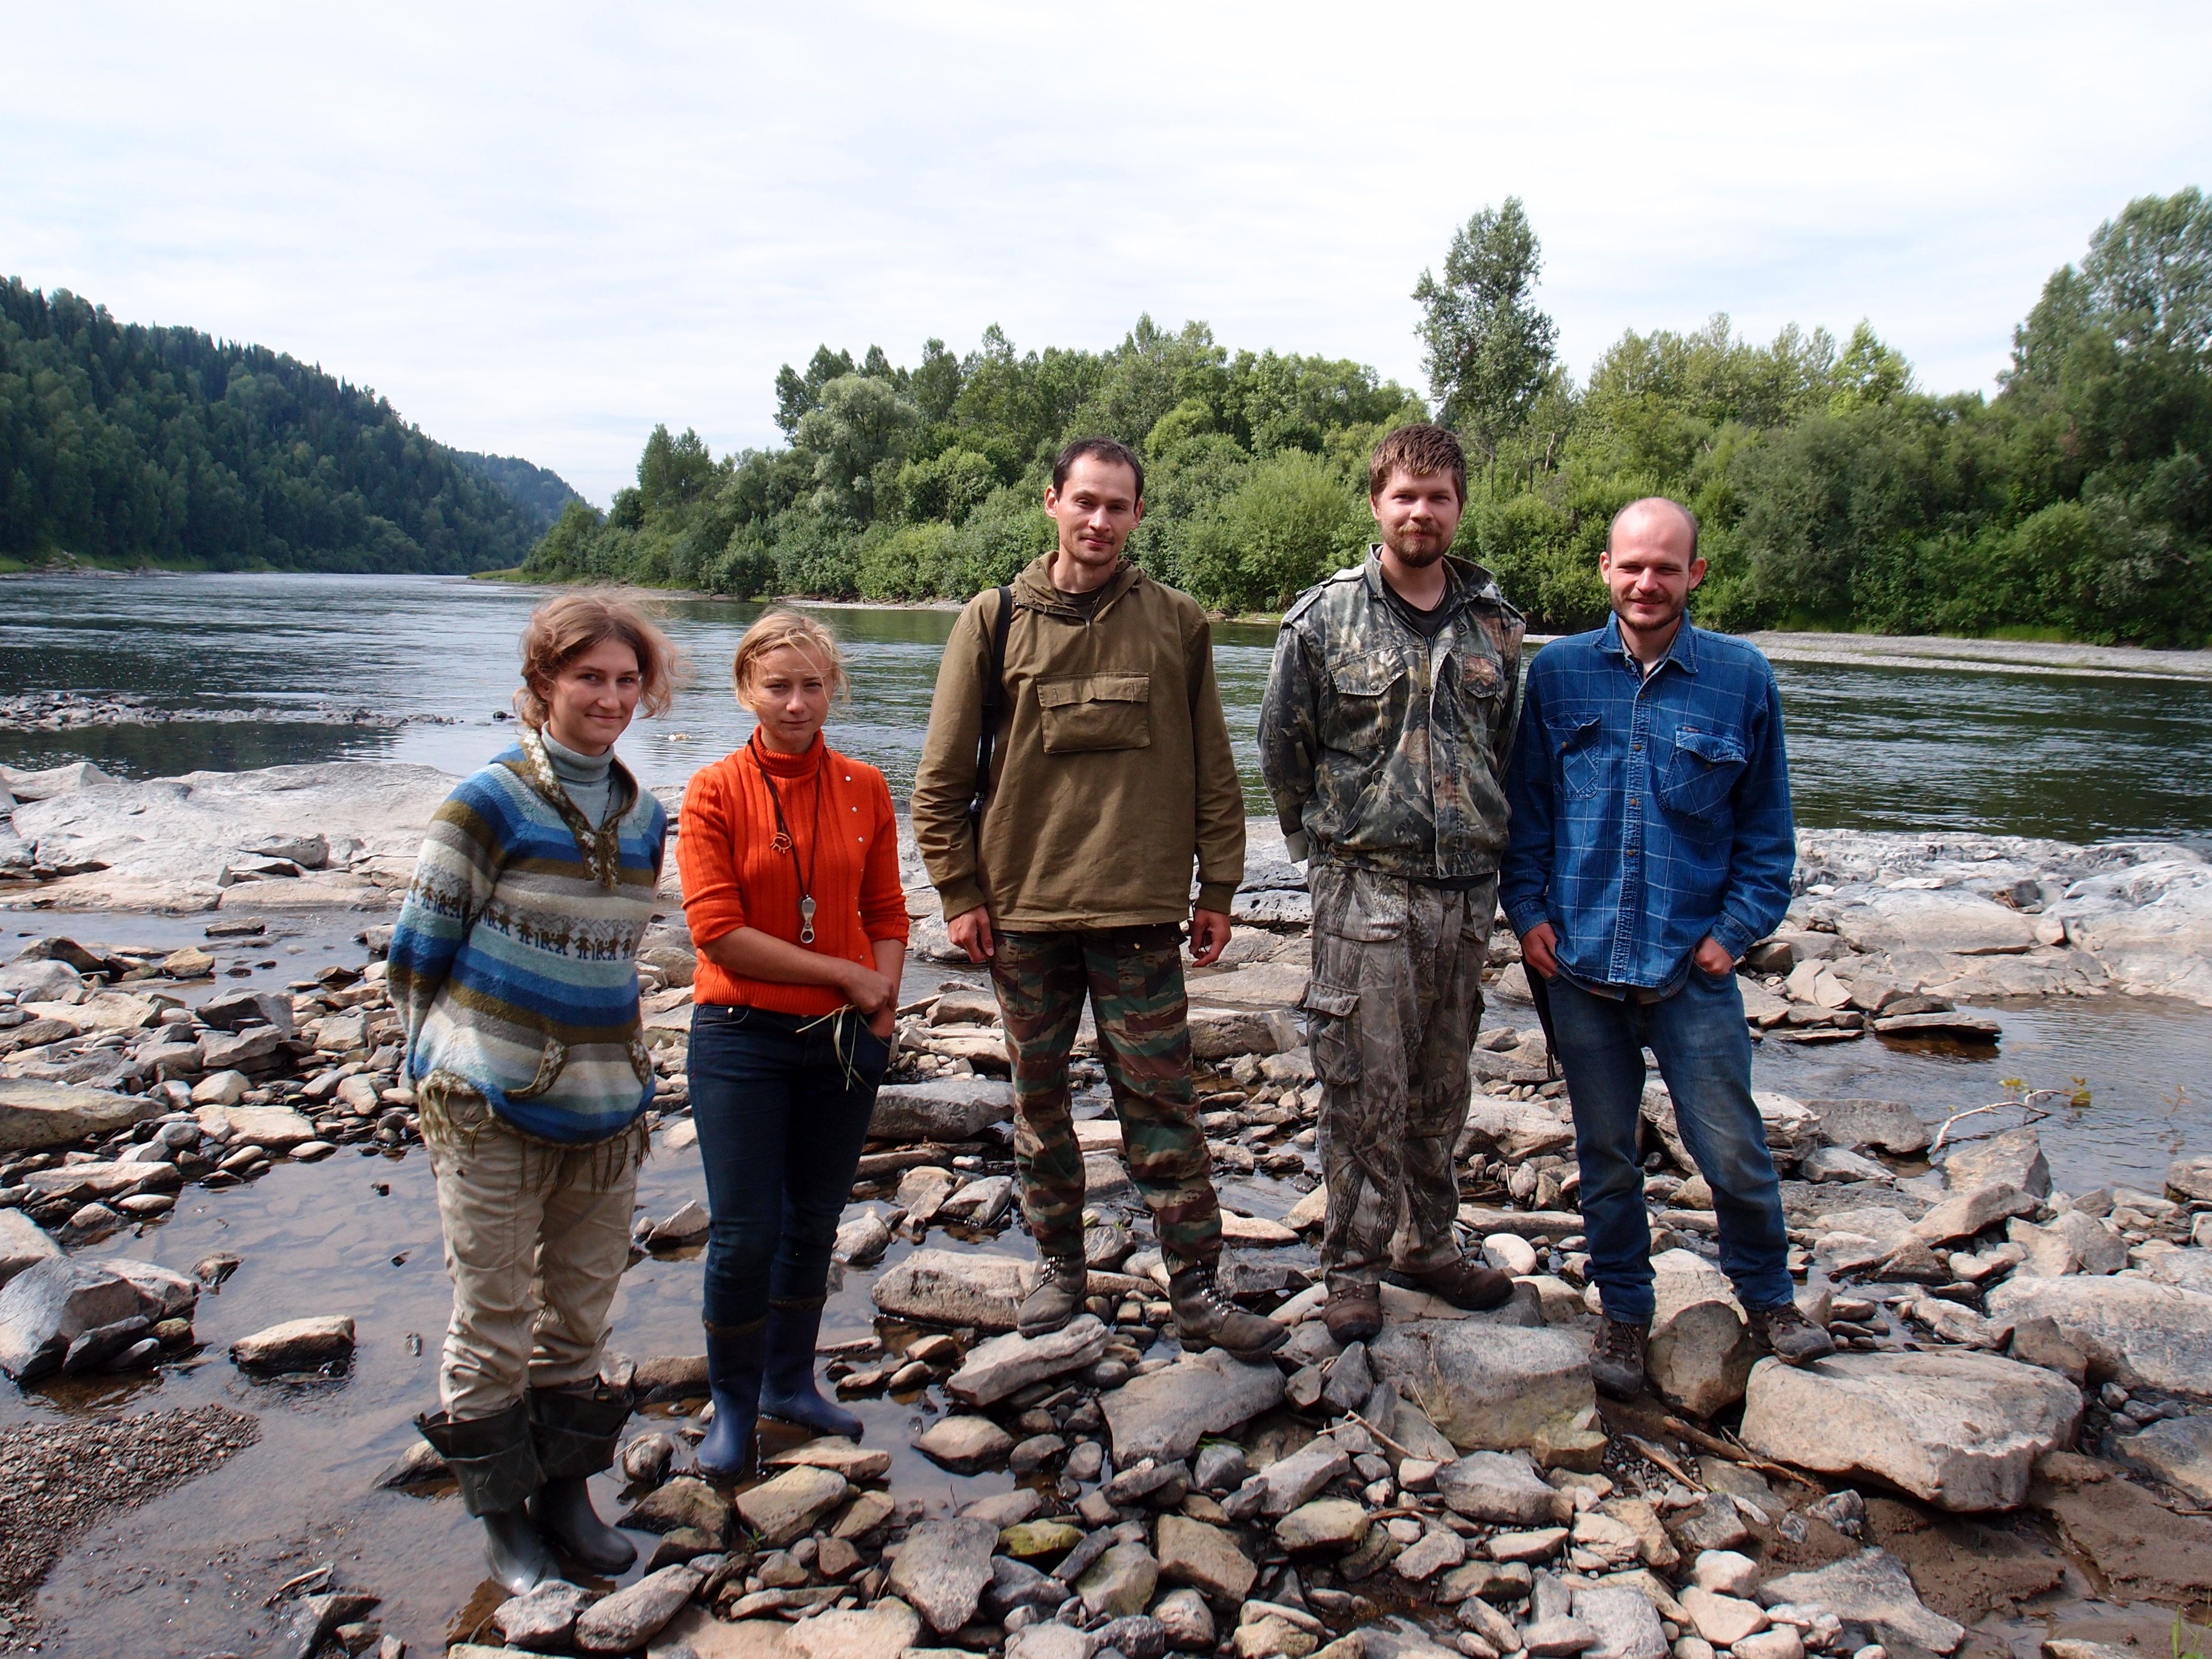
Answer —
(1416, 561)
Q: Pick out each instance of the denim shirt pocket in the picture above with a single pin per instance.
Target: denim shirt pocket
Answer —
(1578, 739)
(1701, 774)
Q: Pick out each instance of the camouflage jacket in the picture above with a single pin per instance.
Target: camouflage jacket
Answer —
(1385, 751)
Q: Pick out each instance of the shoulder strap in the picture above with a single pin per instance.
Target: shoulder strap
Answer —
(995, 702)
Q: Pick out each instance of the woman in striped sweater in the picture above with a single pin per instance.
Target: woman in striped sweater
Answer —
(790, 884)
(514, 964)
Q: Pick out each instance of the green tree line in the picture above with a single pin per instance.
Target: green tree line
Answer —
(1835, 491)
(127, 445)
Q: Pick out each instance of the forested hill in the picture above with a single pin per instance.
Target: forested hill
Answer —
(1835, 492)
(127, 445)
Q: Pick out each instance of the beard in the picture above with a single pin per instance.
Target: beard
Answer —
(1416, 558)
(1679, 608)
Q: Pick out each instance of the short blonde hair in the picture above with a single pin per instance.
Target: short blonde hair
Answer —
(775, 630)
(561, 629)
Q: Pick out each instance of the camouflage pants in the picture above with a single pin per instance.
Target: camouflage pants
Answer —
(1134, 979)
(1393, 1006)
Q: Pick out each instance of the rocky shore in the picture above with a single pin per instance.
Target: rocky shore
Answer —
(71, 711)
(2016, 1434)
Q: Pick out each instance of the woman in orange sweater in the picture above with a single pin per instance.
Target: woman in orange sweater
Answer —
(790, 884)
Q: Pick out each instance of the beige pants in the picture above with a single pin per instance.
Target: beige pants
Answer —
(536, 1239)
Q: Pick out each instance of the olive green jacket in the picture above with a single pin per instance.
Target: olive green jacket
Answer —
(1113, 773)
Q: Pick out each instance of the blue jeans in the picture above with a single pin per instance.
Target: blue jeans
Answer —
(1704, 1055)
(782, 1103)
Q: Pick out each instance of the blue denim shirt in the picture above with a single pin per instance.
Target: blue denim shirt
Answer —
(1648, 812)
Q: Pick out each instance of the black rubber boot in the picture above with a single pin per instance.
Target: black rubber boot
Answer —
(787, 1387)
(575, 1430)
(495, 1464)
(735, 1354)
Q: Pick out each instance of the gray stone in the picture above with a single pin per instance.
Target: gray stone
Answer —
(1429, 1555)
(1701, 1356)
(941, 1110)
(542, 1617)
(1503, 1491)
(1350, 1381)
(2071, 1244)
(1334, 1523)
(297, 1344)
(1291, 1481)
(646, 1460)
(1008, 1364)
(1959, 1428)
(312, 1619)
(1712, 1522)
(1486, 1386)
(50, 1304)
(1185, 1617)
(1163, 1415)
(235, 1011)
(240, 1050)
(1626, 1623)
(782, 1509)
(1555, 1638)
(35, 1113)
(1723, 1620)
(272, 1128)
(954, 1288)
(1017, 1584)
(1218, 1467)
(23, 1243)
(1206, 1557)
(1970, 1211)
(1005, 1509)
(1840, 1164)
(2136, 1331)
(941, 1569)
(163, 1292)
(1133, 1635)
(966, 1445)
(862, 1240)
(2177, 1450)
(1872, 1588)
(2014, 1159)
(1049, 1640)
(1885, 1124)
(2190, 1178)
(630, 1618)
(1120, 1583)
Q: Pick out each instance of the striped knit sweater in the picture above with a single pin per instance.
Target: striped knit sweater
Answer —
(513, 961)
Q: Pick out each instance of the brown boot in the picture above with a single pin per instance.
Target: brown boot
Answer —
(1353, 1313)
(1205, 1318)
(1789, 1335)
(1058, 1297)
(1466, 1283)
(1616, 1364)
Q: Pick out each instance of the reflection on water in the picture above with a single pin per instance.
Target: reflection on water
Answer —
(1873, 748)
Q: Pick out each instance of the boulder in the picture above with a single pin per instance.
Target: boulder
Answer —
(1163, 1414)
(632, 1617)
(1206, 1558)
(1005, 1365)
(33, 1114)
(1871, 1588)
(783, 1508)
(2188, 1178)
(1960, 1430)
(1501, 1490)
(941, 1569)
(42, 980)
(956, 1288)
(2014, 1159)
(297, 1345)
(1889, 1126)
(235, 1011)
(2135, 1331)
(1486, 1386)
(23, 1243)
(1701, 1356)
(941, 1110)
(1951, 919)
(835, 1452)
(2177, 1450)
(1972, 1210)
(1626, 1623)
(50, 1304)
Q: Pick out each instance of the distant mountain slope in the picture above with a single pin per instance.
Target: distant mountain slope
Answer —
(124, 444)
(540, 489)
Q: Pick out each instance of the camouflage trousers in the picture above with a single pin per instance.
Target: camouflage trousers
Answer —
(1134, 977)
(1393, 1006)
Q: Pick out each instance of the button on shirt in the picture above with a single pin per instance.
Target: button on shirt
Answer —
(1648, 810)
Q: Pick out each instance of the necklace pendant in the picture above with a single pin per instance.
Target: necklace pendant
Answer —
(806, 919)
(779, 842)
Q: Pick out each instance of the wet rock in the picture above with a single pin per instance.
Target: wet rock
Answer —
(297, 1344)
(23, 1243)
(780, 1509)
(1486, 1386)
(1163, 1414)
(862, 1240)
(1008, 1364)
(2071, 1243)
(836, 1452)
(1336, 1523)
(2014, 1159)
(312, 1618)
(1184, 1616)
(2188, 1178)
(686, 1227)
(630, 1618)
(2178, 1451)
(1501, 1490)
(686, 1501)
(2136, 1330)
(1972, 1210)
(966, 1445)
(1886, 1125)
(1120, 1583)
(941, 1110)
(941, 1569)
(50, 1305)
(273, 1128)
(1206, 1558)
(1871, 1588)
(954, 1288)
(235, 1011)
(1289, 1482)
(417, 1465)
(542, 1619)
(35, 1113)
(921, 1191)
(670, 1377)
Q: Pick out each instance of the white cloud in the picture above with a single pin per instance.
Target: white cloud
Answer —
(538, 230)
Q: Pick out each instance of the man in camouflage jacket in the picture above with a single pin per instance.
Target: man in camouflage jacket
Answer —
(1388, 718)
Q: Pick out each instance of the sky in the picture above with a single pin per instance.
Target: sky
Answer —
(540, 230)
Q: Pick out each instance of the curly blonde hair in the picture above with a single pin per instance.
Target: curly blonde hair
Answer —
(561, 629)
(776, 628)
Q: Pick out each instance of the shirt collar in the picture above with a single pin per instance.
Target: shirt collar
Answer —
(1683, 652)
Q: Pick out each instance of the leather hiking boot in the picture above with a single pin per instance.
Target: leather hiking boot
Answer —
(1205, 1318)
(788, 1391)
(735, 1356)
(1466, 1283)
(575, 1430)
(1354, 1314)
(1616, 1364)
(1058, 1297)
(1789, 1335)
(495, 1464)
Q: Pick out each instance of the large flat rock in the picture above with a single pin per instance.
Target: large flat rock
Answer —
(2177, 1450)
(943, 1108)
(1960, 1430)
(1163, 1415)
(2134, 1330)
(34, 1115)
(1873, 1588)
(956, 1287)
(1005, 1365)
(23, 1243)
(1486, 1386)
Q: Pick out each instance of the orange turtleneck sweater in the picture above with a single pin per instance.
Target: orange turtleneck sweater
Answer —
(734, 877)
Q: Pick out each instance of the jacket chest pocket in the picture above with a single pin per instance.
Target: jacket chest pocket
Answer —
(1084, 713)
(1701, 773)
(1363, 686)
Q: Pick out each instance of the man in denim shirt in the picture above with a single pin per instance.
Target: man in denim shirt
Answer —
(1651, 847)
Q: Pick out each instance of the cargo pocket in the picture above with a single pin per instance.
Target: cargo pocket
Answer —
(1086, 713)
(1331, 1034)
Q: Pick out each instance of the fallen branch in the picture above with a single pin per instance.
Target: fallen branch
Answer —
(2034, 1116)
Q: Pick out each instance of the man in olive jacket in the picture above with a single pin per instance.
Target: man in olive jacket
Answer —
(1111, 775)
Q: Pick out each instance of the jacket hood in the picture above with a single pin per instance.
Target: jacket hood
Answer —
(1034, 590)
